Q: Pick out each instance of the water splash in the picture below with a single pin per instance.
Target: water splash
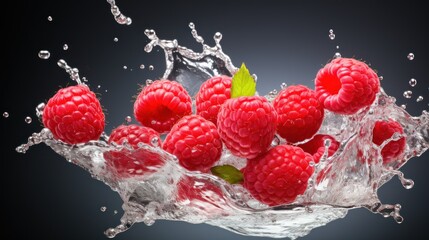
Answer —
(73, 72)
(191, 68)
(117, 14)
(346, 180)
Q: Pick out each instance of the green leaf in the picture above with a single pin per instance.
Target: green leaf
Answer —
(228, 173)
(242, 83)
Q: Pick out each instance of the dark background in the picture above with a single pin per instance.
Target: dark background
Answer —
(281, 41)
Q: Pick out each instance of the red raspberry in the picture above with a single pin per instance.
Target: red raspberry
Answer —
(384, 130)
(346, 85)
(195, 142)
(247, 125)
(213, 93)
(316, 146)
(127, 162)
(161, 104)
(300, 114)
(278, 176)
(74, 115)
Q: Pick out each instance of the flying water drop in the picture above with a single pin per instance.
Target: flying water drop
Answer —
(410, 56)
(44, 54)
(413, 82)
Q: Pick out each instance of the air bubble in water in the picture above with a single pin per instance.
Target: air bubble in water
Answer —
(50, 19)
(5, 114)
(410, 56)
(408, 94)
(151, 67)
(413, 82)
(65, 47)
(142, 66)
(337, 55)
(44, 54)
(103, 209)
(331, 34)
(28, 120)
(419, 99)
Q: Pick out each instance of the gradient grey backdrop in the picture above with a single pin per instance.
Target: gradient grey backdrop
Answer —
(280, 41)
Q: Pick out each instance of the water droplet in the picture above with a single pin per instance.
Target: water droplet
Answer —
(337, 55)
(191, 25)
(404, 106)
(419, 99)
(50, 19)
(39, 109)
(124, 67)
(103, 209)
(119, 17)
(128, 119)
(105, 90)
(44, 54)
(331, 34)
(149, 82)
(408, 94)
(5, 114)
(151, 67)
(65, 47)
(115, 39)
(142, 66)
(413, 82)
(115, 212)
(99, 86)
(154, 141)
(28, 120)
(337, 47)
(410, 56)
(283, 85)
(84, 79)
(381, 78)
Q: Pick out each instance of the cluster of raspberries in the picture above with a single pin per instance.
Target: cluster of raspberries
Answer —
(245, 125)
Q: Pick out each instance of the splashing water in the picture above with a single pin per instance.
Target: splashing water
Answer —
(349, 179)
(117, 14)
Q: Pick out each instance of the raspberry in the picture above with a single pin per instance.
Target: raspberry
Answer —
(300, 113)
(247, 125)
(384, 130)
(133, 162)
(213, 93)
(74, 115)
(346, 85)
(195, 142)
(278, 176)
(161, 104)
(316, 146)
